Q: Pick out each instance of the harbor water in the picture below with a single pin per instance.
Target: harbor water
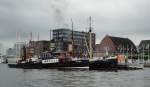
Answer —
(11, 77)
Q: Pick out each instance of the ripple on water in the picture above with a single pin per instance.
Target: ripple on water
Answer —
(72, 78)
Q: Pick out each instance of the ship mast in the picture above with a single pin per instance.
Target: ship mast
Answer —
(72, 38)
(148, 53)
(90, 39)
(50, 31)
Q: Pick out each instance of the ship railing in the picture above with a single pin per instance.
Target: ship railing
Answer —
(96, 58)
(78, 59)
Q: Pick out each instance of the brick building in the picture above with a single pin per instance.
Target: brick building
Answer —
(37, 47)
(115, 45)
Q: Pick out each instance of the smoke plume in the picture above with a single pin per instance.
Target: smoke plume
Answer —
(59, 11)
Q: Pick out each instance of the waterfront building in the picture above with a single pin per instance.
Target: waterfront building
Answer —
(144, 49)
(144, 44)
(37, 47)
(17, 48)
(1, 49)
(10, 52)
(111, 45)
(64, 37)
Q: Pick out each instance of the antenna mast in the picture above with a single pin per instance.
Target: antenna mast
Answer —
(38, 37)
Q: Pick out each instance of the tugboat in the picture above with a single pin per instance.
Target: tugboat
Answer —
(117, 62)
(52, 60)
(96, 63)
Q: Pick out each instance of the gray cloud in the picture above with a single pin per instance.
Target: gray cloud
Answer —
(126, 18)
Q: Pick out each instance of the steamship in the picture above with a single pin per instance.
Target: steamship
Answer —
(52, 59)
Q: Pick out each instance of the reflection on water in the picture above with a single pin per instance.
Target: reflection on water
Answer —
(10, 77)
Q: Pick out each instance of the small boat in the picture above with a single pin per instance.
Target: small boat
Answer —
(135, 64)
(146, 64)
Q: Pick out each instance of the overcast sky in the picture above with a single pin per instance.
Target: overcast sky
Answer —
(124, 18)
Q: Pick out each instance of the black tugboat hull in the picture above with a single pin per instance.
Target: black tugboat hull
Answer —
(50, 65)
(103, 65)
(111, 64)
(25, 66)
